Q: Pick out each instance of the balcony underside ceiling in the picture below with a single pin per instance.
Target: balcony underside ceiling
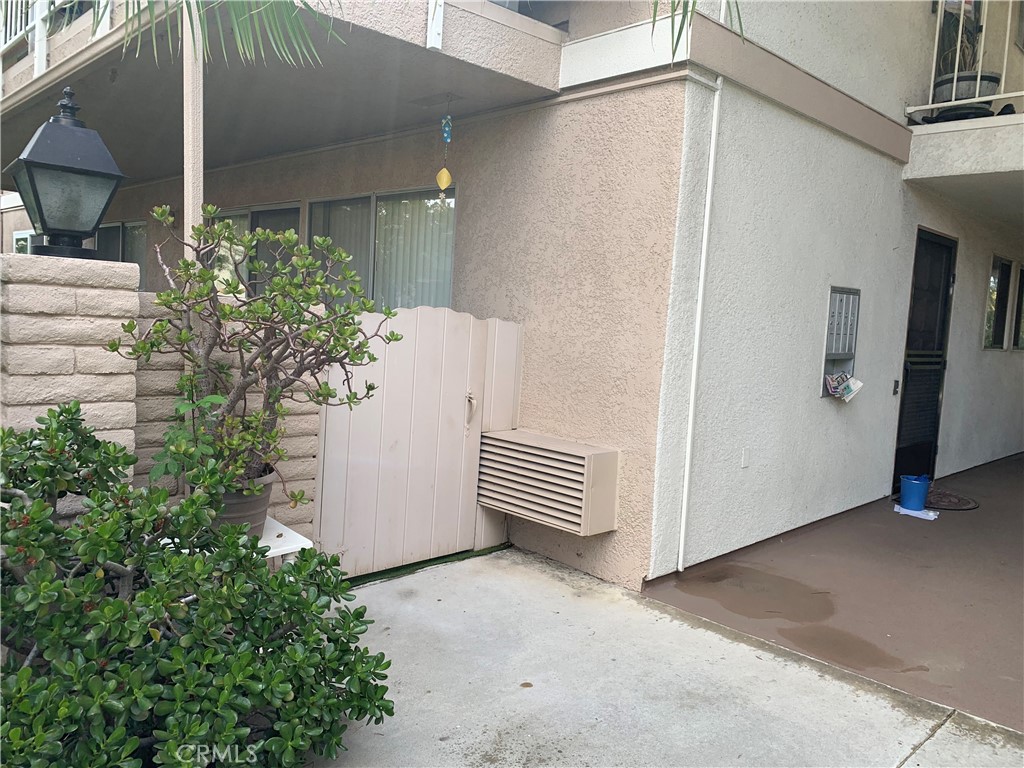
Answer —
(370, 85)
(997, 197)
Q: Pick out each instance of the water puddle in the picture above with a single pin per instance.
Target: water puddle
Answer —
(840, 647)
(758, 595)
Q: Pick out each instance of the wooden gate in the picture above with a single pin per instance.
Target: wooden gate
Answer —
(397, 474)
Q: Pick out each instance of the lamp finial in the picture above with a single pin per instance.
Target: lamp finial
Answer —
(68, 107)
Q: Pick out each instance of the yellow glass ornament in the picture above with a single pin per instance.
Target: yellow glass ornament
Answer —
(444, 179)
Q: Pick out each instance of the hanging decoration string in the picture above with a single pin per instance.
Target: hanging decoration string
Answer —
(444, 176)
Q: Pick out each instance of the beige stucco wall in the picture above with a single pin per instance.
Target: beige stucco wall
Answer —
(569, 230)
(12, 220)
(565, 223)
(591, 17)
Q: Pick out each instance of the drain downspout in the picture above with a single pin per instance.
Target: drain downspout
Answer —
(698, 325)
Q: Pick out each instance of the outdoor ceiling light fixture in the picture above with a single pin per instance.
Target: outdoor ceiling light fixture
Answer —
(66, 178)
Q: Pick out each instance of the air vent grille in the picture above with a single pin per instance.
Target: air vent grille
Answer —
(560, 483)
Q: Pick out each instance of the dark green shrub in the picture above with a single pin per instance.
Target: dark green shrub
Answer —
(135, 634)
(59, 457)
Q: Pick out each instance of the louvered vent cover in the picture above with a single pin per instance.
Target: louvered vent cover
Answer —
(560, 483)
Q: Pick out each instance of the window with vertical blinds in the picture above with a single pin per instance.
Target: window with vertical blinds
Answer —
(348, 223)
(401, 244)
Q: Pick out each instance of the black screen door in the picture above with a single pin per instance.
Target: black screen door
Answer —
(924, 362)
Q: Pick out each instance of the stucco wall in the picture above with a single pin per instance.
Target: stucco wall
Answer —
(798, 208)
(12, 220)
(565, 223)
(983, 396)
(878, 52)
(591, 17)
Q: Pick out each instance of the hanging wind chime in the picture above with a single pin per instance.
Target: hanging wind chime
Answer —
(444, 176)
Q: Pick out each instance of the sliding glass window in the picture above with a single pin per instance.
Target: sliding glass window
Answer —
(401, 244)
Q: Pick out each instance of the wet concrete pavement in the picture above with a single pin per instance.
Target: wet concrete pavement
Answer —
(512, 660)
(935, 608)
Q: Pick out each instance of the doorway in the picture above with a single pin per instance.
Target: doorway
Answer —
(924, 361)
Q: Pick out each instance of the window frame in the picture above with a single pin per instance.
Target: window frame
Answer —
(370, 281)
(22, 234)
(1020, 25)
(998, 343)
(1017, 337)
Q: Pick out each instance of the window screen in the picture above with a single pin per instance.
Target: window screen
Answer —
(135, 248)
(349, 225)
(401, 244)
(108, 243)
(415, 235)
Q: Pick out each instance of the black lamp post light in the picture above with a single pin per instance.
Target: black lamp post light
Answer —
(66, 178)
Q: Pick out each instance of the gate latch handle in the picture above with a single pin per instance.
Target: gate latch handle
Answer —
(471, 400)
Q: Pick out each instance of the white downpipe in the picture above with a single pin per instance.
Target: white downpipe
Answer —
(698, 325)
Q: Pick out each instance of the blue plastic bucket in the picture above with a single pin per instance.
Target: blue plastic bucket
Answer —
(914, 491)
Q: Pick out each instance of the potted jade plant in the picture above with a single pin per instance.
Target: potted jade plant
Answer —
(253, 335)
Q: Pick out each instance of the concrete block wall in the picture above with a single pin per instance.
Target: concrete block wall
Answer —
(56, 316)
(155, 390)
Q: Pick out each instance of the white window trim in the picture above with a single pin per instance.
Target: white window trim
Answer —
(18, 234)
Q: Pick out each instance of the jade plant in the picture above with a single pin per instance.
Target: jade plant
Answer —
(254, 334)
(61, 456)
(136, 635)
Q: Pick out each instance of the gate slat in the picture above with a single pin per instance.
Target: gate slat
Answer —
(363, 472)
(393, 479)
(334, 458)
(423, 446)
(448, 476)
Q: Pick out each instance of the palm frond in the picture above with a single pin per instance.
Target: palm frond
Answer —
(680, 15)
(251, 29)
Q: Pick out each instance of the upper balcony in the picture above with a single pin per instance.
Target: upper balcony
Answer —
(400, 67)
(968, 140)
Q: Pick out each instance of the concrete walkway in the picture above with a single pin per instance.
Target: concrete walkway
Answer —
(512, 660)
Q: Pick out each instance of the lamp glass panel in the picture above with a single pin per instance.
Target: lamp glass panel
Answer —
(72, 202)
(25, 191)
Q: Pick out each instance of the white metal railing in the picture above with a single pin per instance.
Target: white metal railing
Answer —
(30, 21)
(17, 18)
(967, 68)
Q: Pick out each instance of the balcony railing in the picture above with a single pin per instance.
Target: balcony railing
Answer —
(17, 22)
(972, 56)
(29, 23)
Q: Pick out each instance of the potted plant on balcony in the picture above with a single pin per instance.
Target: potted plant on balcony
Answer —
(957, 74)
(254, 335)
